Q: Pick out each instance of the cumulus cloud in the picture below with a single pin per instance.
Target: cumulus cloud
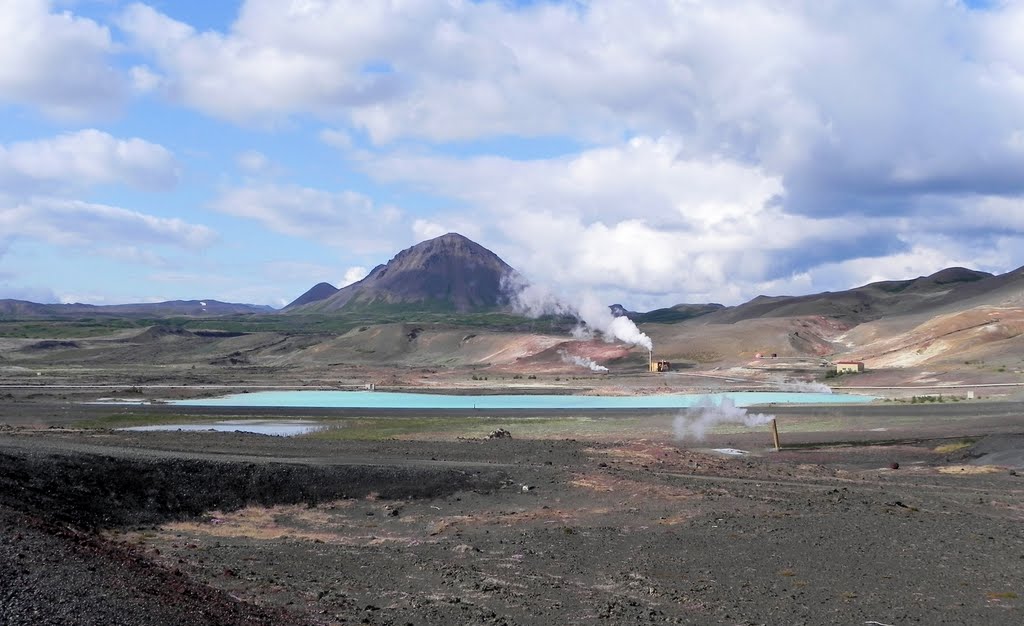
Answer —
(86, 158)
(263, 70)
(345, 219)
(57, 61)
(82, 224)
(643, 220)
(771, 142)
(353, 275)
(144, 79)
(637, 216)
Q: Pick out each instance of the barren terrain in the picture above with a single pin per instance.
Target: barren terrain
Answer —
(603, 519)
(905, 510)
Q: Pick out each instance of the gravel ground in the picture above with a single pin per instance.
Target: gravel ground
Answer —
(164, 528)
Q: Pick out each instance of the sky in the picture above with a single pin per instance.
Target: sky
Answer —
(647, 153)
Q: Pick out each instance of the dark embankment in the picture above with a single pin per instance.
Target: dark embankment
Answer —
(53, 574)
(56, 569)
(94, 491)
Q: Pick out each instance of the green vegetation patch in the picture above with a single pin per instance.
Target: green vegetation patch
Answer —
(954, 446)
(338, 322)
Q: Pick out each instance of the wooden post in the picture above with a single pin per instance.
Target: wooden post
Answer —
(775, 435)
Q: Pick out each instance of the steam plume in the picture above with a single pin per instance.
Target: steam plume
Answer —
(805, 386)
(708, 413)
(534, 301)
(581, 361)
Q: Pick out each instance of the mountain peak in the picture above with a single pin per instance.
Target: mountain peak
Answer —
(448, 272)
(317, 292)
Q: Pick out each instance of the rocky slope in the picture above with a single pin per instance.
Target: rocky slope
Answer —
(449, 272)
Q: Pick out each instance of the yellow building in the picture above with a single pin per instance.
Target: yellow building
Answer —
(849, 367)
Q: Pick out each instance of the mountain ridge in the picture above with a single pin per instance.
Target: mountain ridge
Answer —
(446, 272)
(12, 307)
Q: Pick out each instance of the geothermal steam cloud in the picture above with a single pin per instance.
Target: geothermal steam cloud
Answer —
(534, 301)
(599, 317)
(805, 386)
(582, 361)
(706, 414)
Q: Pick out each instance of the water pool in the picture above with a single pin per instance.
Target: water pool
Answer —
(288, 428)
(388, 400)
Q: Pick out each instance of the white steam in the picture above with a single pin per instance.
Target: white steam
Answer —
(534, 301)
(598, 316)
(805, 386)
(706, 414)
(582, 361)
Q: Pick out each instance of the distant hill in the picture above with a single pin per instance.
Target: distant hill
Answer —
(872, 301)
(449, 272)
(319, 291)
(670, 315)
(21, 308)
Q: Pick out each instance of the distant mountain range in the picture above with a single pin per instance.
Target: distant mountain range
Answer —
(882, 299)
(453, 273)
(449, 272)
(21, 308)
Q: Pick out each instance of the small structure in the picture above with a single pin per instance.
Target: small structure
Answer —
(849, 367)
(658, 366)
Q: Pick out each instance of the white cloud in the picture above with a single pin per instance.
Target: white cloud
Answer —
(839, 100)
(81, 224)
(642, 222)
(56, 61)
(342, 140)
(144, 79)
(352, 275)
(426, 229)
(773, 144)
(343, 219)
(254, 162)
(85, 158)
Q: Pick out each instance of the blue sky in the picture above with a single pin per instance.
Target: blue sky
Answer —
(647, 153)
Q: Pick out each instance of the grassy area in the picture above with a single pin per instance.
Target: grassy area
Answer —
(64, 329)
(955, 446)
(331, 323)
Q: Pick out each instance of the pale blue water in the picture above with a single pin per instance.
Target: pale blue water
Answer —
(387, 400)
(262, 427)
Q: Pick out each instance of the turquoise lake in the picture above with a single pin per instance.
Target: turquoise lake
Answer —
(387, 400)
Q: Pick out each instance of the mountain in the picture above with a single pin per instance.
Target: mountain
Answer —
(319, 291)
(873, 301)
(21, 308)
(670, 315)
(449, 272)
